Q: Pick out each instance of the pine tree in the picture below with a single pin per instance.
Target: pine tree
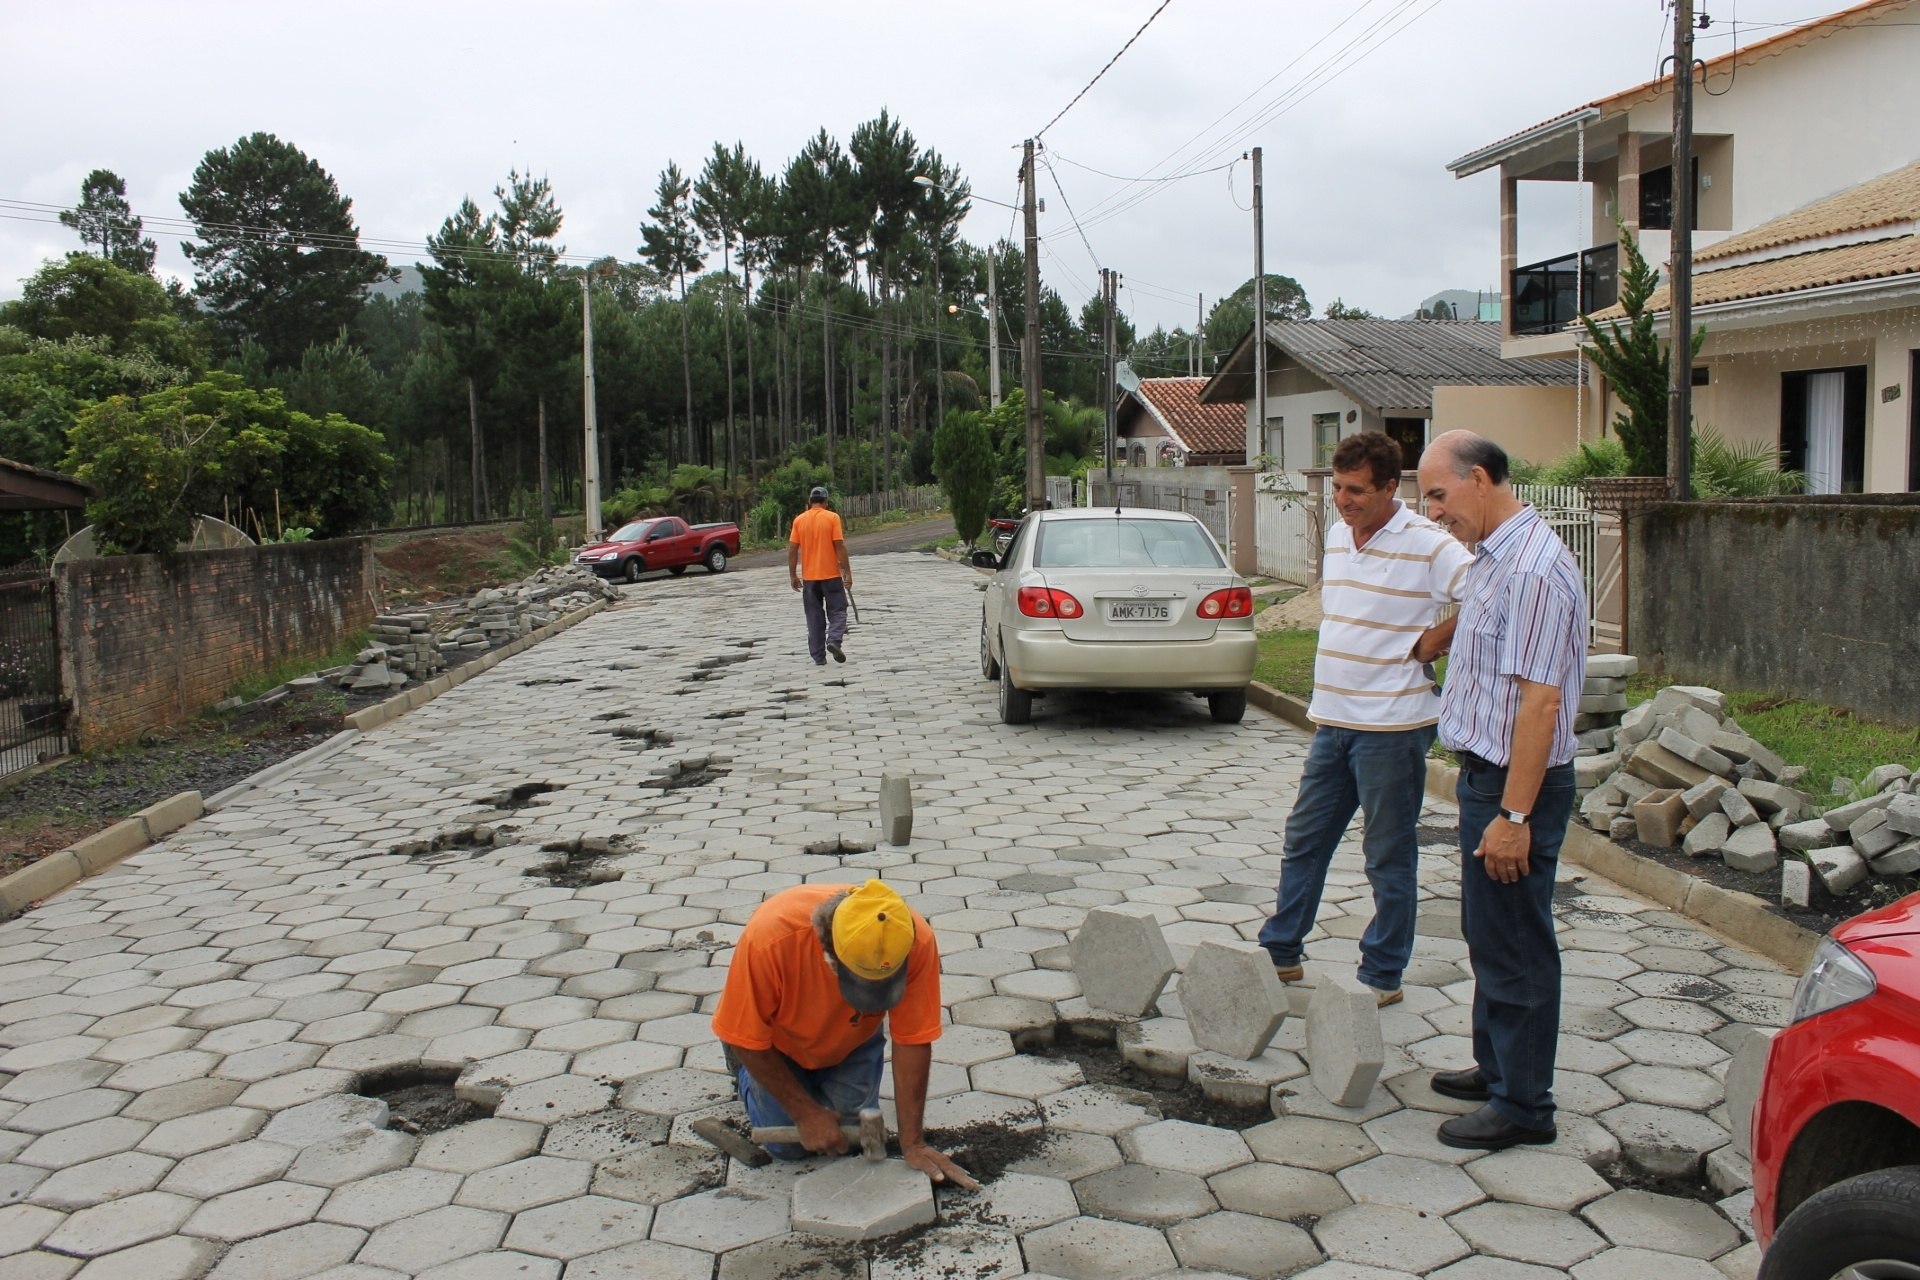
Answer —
(104, 217)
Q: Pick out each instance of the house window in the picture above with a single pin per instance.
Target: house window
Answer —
(1326, 437)
(1271, 443)
(1823, 427)
(1656, 198)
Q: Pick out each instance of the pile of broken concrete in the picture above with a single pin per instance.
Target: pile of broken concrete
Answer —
(415, 646)
(1684, 773)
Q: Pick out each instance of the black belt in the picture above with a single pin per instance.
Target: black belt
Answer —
(1469, 760)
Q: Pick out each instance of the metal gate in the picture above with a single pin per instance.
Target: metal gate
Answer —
(1567, 513)
(33, 708)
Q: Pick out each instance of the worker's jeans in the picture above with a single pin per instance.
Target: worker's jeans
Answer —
(825, 600)
(845, 1087)
(1511, 944)
(1383, 773)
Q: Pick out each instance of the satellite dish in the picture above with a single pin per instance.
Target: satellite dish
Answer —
(210, 533)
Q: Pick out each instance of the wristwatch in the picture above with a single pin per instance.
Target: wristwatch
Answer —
(1514, 816)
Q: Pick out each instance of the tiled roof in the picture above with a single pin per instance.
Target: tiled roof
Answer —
(1887, 201)
(1652, 90)
(1210, 429)
(1392, 365)
(1875, 260)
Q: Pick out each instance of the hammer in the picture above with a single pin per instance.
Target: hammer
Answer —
(870, 1133)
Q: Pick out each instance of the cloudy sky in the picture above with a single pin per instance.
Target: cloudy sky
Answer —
(410, 104)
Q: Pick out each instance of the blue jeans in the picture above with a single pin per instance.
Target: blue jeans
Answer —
(1510, 940)
(825, 600)
(1384, 774)
(845, 1087)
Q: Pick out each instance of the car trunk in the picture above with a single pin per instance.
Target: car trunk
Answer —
(1122, 605)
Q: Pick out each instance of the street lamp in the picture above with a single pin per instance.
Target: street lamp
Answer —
(992, 315)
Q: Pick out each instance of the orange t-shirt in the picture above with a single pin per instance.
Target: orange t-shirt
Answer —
(816, 530)
(783, 994)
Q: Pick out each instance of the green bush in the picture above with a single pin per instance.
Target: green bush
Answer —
(766, 522)
(963, 458)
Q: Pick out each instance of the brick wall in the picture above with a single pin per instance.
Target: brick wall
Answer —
(149, 642)
(1811, 596)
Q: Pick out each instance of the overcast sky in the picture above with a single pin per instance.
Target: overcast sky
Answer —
(411, 105)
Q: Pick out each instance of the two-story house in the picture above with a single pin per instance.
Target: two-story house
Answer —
(1806, 238)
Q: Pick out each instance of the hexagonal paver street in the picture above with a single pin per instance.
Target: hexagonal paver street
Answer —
(182, 1037)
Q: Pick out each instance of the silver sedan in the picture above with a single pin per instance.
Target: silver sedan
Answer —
(1115, 598)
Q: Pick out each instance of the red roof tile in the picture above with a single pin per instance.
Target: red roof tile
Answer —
(1209, 429)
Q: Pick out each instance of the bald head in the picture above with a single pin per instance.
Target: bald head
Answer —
(1461, 451)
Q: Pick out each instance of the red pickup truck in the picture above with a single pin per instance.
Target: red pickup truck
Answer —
(661, 542)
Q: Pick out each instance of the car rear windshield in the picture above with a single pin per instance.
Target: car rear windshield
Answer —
(1124, 543)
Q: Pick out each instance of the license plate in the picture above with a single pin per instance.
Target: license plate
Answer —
(1137, 611)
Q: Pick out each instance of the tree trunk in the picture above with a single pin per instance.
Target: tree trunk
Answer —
(753, 433)
(686, 362)
(826, 373)
(546, 494)
(477, 498)
(726, 321)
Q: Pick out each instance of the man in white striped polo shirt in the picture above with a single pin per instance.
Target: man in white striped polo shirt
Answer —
(1513, 688)
(1388, 571)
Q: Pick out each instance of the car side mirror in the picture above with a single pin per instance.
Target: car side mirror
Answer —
(984, 560)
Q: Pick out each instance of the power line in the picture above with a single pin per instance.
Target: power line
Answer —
(1175, 177)
(1110, 61)
(1092, 256)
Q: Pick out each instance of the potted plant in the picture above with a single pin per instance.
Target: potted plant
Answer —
(1639, 368)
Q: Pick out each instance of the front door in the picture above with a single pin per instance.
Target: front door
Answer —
(1411, 435)
(1823, 427)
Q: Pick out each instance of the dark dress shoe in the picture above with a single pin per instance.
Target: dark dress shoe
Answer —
(1488, 1130)
(1468, 1085)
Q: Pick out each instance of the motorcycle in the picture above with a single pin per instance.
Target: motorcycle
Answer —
(1002, 531)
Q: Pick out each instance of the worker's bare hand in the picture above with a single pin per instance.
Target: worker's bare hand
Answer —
(937, 1165)
(1503, 850)
(795, 579)
(820, 1132)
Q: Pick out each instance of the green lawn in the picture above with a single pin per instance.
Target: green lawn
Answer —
(1286, 661)
(1831, 742)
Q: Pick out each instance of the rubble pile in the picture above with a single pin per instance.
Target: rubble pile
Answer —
(416, 646)
(1680, 772)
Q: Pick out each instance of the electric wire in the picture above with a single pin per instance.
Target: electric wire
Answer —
(1103, 71)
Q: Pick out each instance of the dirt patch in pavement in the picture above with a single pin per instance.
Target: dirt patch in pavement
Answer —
(1175, 1097)
(421, 1101)
(986, 1149)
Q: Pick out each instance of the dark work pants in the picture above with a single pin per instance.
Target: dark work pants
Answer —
(1511, 943)
(825, 600)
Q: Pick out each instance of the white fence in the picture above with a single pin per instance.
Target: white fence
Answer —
(1288, 527)
(926, 497)
(1565, 509)
(1202, 492)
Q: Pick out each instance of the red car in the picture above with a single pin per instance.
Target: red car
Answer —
(661, 542)
(1836, 1128)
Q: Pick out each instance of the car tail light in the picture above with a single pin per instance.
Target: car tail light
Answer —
(1232, 602)
(1048, 602)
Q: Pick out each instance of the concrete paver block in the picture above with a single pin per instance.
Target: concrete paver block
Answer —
(438, 1236)
(295, 1251)
(1663, 1140)
(1243, 1245)
(122, 1224)
(1637, 1264)
(1310, 1142)
(655, 1175)
(1278, 1191)
(721, 1219)
(653, 1259)
(1161, 1046)
(973, 1252)
(858, 1199)
(1233, 1002)
(1643, 1220)
(1243, 1082)
(1420, 1185)
(1344, 1048)
(1022, 1202)
(1095, 1249)
(1540, 1178)
(579, 1225)
(1121, 959)
(1186, 1147)
(1528, 1233)
(1743, 1083)
(1140, 1193)
(325, 1119)
(1378, 1235)
(1657, 817)
(896, 808)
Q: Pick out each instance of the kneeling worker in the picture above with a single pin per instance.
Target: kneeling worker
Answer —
(816, 970)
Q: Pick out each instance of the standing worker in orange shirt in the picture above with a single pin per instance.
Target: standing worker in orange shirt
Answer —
(817, 565)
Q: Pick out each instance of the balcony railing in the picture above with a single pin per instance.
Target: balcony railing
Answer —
(1548, 296)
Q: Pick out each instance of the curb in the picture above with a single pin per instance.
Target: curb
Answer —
(1740, 917)
(393, 708)
(1284, 705)
(41, 880)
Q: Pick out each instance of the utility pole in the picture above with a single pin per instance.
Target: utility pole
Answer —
(1199, 343)
(1260, 321)
(1030, 372)
(993, 338)
(1109, 296)
(590, 469)
(1680, 274)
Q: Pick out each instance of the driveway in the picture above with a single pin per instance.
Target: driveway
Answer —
(531, 883)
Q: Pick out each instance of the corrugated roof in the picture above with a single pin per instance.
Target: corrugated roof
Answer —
(1887, 201)
(1207, 429)
(1820, 268)
(1653, 90)
(1393, 365)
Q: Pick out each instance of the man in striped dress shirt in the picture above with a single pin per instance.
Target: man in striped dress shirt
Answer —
(1388, 571)
(1513, 687)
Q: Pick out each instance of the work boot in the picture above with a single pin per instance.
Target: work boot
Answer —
(1289, 972)
(1382, 999)
(838, 655)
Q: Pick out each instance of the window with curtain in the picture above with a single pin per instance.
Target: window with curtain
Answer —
(1326, 438)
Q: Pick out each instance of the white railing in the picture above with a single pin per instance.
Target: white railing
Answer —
(1565, 509)
(1288, 527)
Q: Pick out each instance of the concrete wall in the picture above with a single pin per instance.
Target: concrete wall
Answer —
(149, 642)
(1807, 596)
(1536, 424)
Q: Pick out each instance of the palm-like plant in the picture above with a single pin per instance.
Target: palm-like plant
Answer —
(1749, 469)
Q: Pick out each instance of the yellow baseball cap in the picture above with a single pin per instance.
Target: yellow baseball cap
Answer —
(872, 934)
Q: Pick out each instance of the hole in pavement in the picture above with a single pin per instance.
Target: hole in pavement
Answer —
(1626, 1175)
(748, 644)
(837, 684)
(788, 695)
(733, 713)
(699, 677)
(574, 866)
(722, 660)
(420, 1100)
(540, 680)
(694, 771)
(521, 796)
(640, 733)
(839, 845)
(478, 837)
(613, 715)
(1091, 1045)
